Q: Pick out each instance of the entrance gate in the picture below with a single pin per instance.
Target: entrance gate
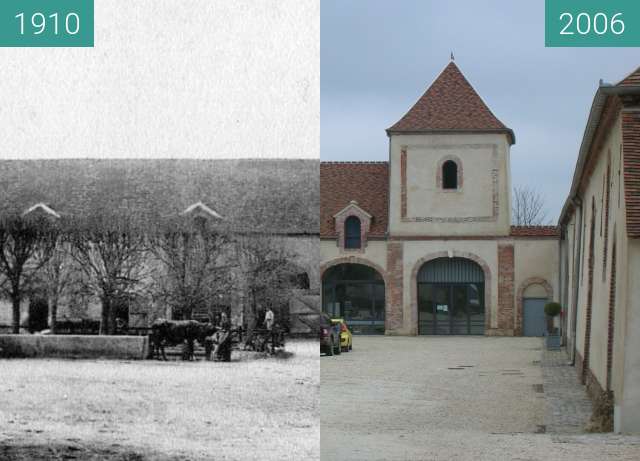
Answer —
(451, 297)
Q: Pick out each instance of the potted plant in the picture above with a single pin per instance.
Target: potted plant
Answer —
(553, 336)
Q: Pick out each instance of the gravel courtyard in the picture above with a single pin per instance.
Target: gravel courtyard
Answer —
(432, 398)
(265, 408)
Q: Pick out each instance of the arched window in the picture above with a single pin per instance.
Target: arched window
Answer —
(352, 237)
(450, 175)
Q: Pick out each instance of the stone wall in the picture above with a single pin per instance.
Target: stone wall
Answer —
(75, 346)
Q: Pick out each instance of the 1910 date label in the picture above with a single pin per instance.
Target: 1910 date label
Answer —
(46, 23)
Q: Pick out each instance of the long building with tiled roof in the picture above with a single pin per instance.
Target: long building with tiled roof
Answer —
(274, 202)
(275, 196)
(600, 253)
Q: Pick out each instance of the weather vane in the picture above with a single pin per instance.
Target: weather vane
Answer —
(452, 58)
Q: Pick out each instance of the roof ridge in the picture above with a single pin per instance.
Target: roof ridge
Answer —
(629, 75)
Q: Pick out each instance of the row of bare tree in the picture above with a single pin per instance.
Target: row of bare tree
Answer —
(182, 264)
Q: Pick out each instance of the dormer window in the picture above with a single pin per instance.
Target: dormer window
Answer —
(449, 175)
(352, 226)
(42, 210)
(199, 209)
(352, 233)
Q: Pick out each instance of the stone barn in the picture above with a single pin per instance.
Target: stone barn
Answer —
(256, 203)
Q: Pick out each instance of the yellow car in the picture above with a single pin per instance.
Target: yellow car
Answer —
(346, 338)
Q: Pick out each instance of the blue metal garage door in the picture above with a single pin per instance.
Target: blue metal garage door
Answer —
(533, 316)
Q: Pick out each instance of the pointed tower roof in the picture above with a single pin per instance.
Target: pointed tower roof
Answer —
(450, 104)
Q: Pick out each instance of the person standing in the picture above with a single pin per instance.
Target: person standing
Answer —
(269, 319)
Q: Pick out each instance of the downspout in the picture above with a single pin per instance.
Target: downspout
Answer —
(561, 270)
(577, 201)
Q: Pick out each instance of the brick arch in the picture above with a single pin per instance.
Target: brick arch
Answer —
(518, 321)
(459, 175)
(445, 254)
(365, 262)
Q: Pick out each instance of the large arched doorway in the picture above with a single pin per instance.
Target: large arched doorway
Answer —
(451, 297)
(355, 292)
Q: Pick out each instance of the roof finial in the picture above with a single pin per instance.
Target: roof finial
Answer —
(452, 57)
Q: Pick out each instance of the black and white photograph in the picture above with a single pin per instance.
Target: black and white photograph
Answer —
(159, 250)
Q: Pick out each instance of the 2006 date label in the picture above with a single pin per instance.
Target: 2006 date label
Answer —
(592, 23)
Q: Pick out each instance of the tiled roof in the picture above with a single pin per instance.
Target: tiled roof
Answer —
(633, 79)
(534, 231)
(450, 104)
(608, 103)
(631, 149)
(365, 182)
(262, 195)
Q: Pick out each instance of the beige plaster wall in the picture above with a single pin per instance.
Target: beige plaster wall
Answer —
(375, 252)
(485, 177)
(537, 258)
(627, 373)
(625, 378)
(594, 192)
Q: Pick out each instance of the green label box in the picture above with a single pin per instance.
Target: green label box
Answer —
(592, 23)
(46, 23)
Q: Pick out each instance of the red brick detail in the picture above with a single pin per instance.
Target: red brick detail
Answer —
(456, 254)
(535, 231)
(605, 212)
(579, 363)
(403, 182)
(505, 286)
(587, 330)
(365, 225)
(395, 300)
(612, 319)
(631, 169)
(519, 325)
(460, 177)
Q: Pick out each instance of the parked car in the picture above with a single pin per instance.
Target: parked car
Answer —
(329, 336)
(346, 338)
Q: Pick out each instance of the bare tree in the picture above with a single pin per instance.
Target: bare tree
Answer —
(111, 252)
(196, 271)
(528, 207)
(20, 240)
(270, 277)
(56, 275)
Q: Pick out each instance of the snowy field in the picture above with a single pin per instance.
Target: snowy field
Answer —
(251, 408)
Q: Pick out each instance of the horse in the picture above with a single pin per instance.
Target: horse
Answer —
(174, 332)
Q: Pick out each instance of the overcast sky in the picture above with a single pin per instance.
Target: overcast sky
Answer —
(171, 78)
(378, 57)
